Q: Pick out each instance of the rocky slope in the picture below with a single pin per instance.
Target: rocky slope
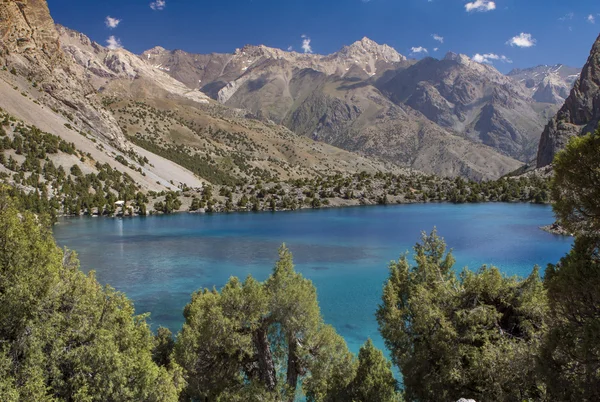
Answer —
(547, 84)
(473, 100)
(103, 66)
(458, 95)
(336, 99)
(360, 118)
(121, 110)
(580, 113)
(170, 115)
(30, 48)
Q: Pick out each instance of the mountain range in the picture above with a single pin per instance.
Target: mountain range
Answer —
(266, 111)
(307, 92)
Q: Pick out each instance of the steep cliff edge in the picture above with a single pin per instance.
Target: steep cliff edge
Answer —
(579, 115)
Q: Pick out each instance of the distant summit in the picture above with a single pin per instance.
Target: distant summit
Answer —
(547, 84)
(368, 47)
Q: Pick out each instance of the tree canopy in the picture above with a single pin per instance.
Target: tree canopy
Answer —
(576, 185)
(475, 336)
(570, 358)
(63, 336)
(265, 336)
(268, 341)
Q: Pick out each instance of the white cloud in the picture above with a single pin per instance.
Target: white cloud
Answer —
(112, 22)
(113, 43)
(158, 5)
(306, 44)
(435, 49)
(488, 58)
(522, 40)
(480, 5)
(416, 50)
(438, 38)
(591, 19)
(567, 17)
(290, 48)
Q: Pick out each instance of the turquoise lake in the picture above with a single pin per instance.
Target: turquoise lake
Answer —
(159, 261)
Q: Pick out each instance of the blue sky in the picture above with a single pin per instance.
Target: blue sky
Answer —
(554, 31)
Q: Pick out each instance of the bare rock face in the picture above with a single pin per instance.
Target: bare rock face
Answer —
(473, 100)
(427, 99)
(579, 115)
(119, 67)
(547, 84)
(337, 99)
(29, 43)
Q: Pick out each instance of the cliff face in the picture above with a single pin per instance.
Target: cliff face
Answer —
(579, 115)
(27, 29)
(29, 44)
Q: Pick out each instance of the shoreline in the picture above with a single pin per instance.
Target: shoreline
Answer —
(304, 208)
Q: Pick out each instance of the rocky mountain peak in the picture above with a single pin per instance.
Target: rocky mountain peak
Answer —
(547, 84)
(366, 46)
(157, 50)
(103, 65)
(480, 68)
(579, 115)
(257, 51)
(457, 57)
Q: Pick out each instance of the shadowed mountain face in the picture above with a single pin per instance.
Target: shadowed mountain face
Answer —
(579, 115)
(473, 100)
(353, 91)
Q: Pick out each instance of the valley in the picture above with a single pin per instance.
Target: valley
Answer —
(109, 130)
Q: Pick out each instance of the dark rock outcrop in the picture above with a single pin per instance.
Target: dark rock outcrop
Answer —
(579, 115)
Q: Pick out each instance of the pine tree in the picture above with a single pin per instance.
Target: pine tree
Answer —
(374, 380)
(63, 336)
(570, 358)
(476, 336)
(261, 336)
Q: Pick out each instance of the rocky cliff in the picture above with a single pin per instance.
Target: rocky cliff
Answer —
(30, 47)
(580, 113)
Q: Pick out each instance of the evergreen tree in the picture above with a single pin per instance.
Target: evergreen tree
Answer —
(570, 358)
(62, 335)
(576, 185)
(261, 336)
(476, 336)
(374, 379)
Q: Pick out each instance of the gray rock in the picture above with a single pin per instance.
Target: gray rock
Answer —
(579, 115)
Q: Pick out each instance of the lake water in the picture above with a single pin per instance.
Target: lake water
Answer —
(159, 261)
